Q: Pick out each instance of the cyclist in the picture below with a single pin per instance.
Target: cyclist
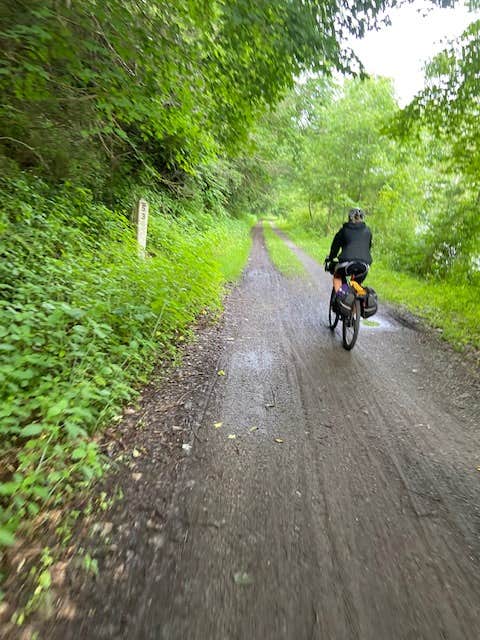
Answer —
(355, 241)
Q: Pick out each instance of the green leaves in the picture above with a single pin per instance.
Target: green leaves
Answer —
(8, 488)
(444, 118)
(7, 538)
(57, 408)
(32, 430)
(134, 85)
(79, 453)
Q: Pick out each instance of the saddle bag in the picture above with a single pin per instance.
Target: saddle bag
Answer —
(369, 305)
(345, 302)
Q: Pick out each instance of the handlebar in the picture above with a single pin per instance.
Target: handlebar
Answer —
(329, 264)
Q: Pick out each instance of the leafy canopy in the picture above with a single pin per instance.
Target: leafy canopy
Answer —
(95, 90)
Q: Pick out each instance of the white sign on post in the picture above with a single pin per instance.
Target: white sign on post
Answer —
(142, 226)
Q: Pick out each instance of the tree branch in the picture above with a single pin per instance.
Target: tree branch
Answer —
(24, 144)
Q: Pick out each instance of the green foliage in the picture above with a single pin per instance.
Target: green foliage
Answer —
(336, 150)
(231, 247)
(96, 91)
(90, 564)
(446, 114)
(316, 245)
(83, 319)
(348, 159)
(448, 105)
(449, 305)
(41, 578)
(281, 256)
(326, 148)
(266, 176)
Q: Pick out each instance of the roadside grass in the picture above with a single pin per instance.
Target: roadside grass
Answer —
(232, 247)
(282, 257)
(448, 306)
(451, 307)
(316, 247)
(370, 323)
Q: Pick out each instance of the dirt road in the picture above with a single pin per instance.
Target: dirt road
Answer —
(347, 505)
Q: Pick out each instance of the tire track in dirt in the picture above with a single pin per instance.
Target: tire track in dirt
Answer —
(363, 523)
(394, 463)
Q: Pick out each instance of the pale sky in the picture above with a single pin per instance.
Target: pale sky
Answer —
(415, 35)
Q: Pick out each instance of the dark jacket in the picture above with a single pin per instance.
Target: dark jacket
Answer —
(355, 240)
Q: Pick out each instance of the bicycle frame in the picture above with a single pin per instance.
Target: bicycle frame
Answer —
(350, 323)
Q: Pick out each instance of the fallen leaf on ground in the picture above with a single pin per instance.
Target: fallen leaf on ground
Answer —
(279, 440)
(253, 428)
(231, 436)
(136, 453)
(221, 372)
(217, 425)
(187, 447)
(242, 578)
(104, 528)
(157, 541)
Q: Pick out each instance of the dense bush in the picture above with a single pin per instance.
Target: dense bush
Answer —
(82, 319)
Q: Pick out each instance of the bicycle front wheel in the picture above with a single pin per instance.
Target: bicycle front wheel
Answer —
(333, 315)
(351, 326)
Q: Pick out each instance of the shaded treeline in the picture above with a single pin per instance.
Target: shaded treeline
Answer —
(331, 146)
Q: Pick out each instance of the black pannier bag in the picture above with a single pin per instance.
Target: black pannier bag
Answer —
(369, 305)
(345, 304)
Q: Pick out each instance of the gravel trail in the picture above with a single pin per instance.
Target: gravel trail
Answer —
(346, 506)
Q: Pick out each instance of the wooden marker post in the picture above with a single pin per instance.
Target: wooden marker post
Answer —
(141, 220)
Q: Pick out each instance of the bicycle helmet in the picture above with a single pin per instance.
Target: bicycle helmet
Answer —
(356, 215)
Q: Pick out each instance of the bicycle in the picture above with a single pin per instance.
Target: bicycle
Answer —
(350, 320)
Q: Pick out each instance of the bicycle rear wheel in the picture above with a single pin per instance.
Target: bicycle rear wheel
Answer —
(351, 326)
(333, 315)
